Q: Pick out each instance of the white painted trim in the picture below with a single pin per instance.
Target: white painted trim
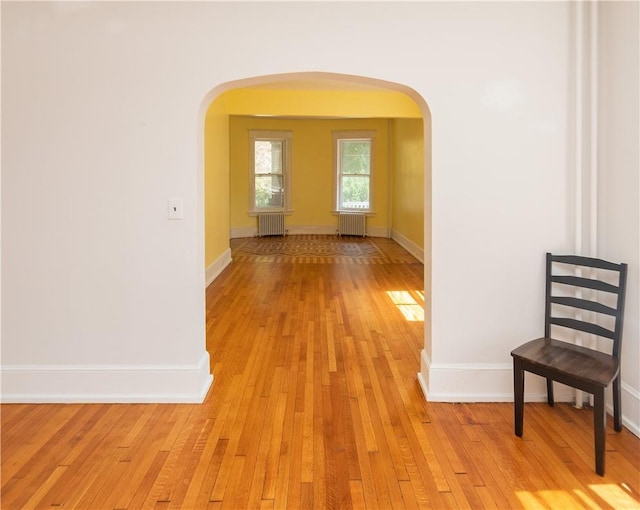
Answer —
(378, 232)
(339, 136)
(480, 382)
(329, 230)
(630, 408)
(214, 270)
(286, 137)
(593, 129)
(493, 382)
(408, 244)
(107, 383)
(242, 232)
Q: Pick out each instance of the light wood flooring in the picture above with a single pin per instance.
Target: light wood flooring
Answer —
(315, 404)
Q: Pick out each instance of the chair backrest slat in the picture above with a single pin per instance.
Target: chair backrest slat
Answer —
(587, 327)
(577, 260)
(586, 283)
(584, 304)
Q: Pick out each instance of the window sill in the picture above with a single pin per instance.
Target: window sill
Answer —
(286, 212)
(367, 213)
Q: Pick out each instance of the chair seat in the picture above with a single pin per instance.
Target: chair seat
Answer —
(554, 357)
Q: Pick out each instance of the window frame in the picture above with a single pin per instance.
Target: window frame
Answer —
(286, 137)
(338, 137)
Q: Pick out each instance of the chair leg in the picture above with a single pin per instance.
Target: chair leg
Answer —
(550, 399)
(617, 404)
(518, 396)
(599, 422)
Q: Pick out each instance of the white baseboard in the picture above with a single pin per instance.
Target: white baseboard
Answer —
(493, 382)
(630, 408)
(106, 383)
(466, 382)
(378, 232)
(480, 382)
(242, 232)
(327, 230)
(409, 245)
(214, 270)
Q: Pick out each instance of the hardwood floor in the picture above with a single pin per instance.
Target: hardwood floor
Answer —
(315, 404)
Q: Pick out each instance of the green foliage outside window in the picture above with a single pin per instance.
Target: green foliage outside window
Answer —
(356, 168)
(356, 157)
(269, 178)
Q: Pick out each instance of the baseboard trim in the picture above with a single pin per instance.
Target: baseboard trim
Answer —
(187, 384)
(326, 230)
(409, 245)
(242, 232)
(493, 382)
(214, 270)
(630, 408)
(479, 382)
(378, 232)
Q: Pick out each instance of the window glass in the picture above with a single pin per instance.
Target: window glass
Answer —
(353, 167)
(270, 170)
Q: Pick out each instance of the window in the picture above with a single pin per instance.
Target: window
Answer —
(353, 156)
(270, 170)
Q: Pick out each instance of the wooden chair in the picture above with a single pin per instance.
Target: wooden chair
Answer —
(577, 366)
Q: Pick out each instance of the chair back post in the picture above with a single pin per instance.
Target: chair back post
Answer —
(622, 286)
(547, 305)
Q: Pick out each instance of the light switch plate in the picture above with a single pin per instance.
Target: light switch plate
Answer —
(175, 209)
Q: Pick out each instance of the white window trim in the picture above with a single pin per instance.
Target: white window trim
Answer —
(353, 135)
(286, 137)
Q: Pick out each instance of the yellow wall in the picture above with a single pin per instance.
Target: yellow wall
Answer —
(216, 181)
(321, 103)
(312, 168)
(408, 179)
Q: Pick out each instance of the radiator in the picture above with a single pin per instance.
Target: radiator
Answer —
(351, 224)
(271, 224)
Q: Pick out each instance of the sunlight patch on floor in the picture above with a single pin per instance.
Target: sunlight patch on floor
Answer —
(408, 306)
(611, 494)
(615, 495)
(586, 500)
(529, 500)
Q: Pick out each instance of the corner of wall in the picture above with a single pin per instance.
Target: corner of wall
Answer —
(217, 266)
(409, 245)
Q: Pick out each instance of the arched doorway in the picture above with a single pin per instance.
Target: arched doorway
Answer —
(318, 95)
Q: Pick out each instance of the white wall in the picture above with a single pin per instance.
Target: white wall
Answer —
(502, 142)
(103, 297)
(619, 176)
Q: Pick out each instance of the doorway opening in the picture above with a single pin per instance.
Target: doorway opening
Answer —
(311, 105)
